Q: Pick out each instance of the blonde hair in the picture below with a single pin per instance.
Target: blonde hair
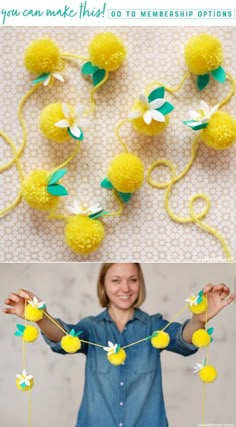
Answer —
(101, 292)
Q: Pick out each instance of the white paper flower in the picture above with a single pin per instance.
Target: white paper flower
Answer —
(198, 367)
(50, 79)
(193, 300)
(73, 120)
(83, 209)
(24, 378)
(36, 304)
(111, 349)
(150, 112)
(204, 113)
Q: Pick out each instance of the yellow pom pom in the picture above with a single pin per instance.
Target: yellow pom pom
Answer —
(208, 374)
(24, 388)
(42, 56)
(126, 173)
(70, 344)
(161, 340)
(220, 132)
(201, 338)
(203, 54)
(33, 314)
(117, 358)
(30, 333)
(49, 116)
(34, 191)
(140, 126)
(107, 51)
(201, 307)
(84, 235)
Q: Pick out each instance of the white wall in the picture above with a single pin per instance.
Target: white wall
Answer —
(70, 292)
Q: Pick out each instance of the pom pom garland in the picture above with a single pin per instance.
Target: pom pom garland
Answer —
(160, 339)
(208, 374)
(126, 173)
(24, 382)
(107, 51)
(29, 333)
(220, 132)
(83, 234)
(71, 343)
(117, 358)
(201, 338)
(203, 54)
(42, 56)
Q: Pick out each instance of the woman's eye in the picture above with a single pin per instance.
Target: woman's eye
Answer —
(133, 280)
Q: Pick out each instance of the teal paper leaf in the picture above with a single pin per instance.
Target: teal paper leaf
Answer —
(57, 190)
(98, 214)
(117, 348)
(199, 300)
(156, 93)
(72, 332)
(78, 333)
(40, 78)
(81, 137)
(204, 362)
(18, 333)
(196, 126)
(23, 385)
(211, 340)
(125, 197)
(219, 74)
(106, 184)
(202, 81)
(210, 331)
(20, 327)
(88, 68)
(42, 307)
(98, 76)
(166, 108)
(200, 293)
(154, 334)
(56, 176)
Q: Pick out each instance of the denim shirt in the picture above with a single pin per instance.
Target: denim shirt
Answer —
(129, 395)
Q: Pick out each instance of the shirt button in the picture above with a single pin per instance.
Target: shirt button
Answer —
(121, 383)
(121, 403)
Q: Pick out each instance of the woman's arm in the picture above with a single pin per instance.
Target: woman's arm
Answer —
(218, 297)
(17, 302)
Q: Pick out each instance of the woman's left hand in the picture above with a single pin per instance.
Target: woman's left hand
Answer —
(218, 297)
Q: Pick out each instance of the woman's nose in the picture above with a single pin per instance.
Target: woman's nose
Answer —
(125, 286)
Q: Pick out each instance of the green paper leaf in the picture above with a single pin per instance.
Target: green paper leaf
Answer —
(200, 293)
(204, 362)
(202, 81)
(125, 197)
(210, 331)
(56, 176)
(156, 93)
(98, 76)
(23, 385)
(211, 340)
(199, 300)
(195, 127)
(40, 78)
(166, 108)
(72, 332)
(88, 68)
(106, 184)
(57, 190)
(78, 333)
(42, 307)
(18, 333)
(81, 137)
(154, 334)
(117, 348)
(20, 327)
(219, 74)
(98, 214)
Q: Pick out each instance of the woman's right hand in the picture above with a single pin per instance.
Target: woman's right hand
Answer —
(17, 302)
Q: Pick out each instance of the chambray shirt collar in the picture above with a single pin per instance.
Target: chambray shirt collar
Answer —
(138, 314)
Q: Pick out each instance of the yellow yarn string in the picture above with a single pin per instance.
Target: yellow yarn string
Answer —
(169, 89)
(62, 165)
(70, 55)
(29, 408)
(117, 133)
(20, 171)
(120, 204)
(204, 384)
(92, 92)
(193, 217)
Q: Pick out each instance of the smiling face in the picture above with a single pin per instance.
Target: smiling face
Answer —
(122, 285)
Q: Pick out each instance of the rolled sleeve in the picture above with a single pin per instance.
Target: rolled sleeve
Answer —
(184, 347)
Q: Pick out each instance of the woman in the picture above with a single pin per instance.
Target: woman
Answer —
(129, 395)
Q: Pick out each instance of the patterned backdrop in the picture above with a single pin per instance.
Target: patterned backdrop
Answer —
(144, 231)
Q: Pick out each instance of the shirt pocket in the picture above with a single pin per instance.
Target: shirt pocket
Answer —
(145, 358)
(99, 362)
